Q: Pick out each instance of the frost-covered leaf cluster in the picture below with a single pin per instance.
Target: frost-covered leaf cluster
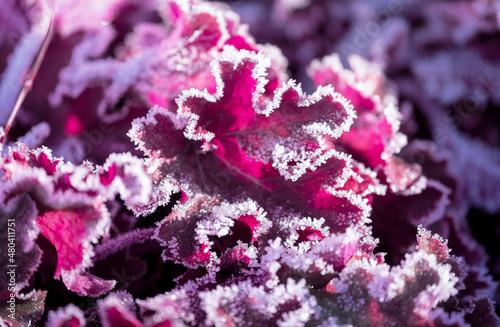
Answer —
(167, 169)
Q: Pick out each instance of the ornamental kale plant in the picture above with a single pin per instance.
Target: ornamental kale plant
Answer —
(161, 167)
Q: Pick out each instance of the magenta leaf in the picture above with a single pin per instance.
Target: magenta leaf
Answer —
(317, 263)
(292, 131)
(21, 254)
(70, 214)
(163, 310)
(69, 316)
(295, 135)
(86, 284)
(28, 308)
(285, 305)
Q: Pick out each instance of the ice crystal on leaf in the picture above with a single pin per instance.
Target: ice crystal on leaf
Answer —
(29, 308)
(86, 284)
(433, 244)
(244, 304)
(157, 61)
(257, 139)
(374, 137)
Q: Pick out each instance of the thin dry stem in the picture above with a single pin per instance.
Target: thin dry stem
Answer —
(29, 78)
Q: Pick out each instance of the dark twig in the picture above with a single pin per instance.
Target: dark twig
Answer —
(29, 78)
